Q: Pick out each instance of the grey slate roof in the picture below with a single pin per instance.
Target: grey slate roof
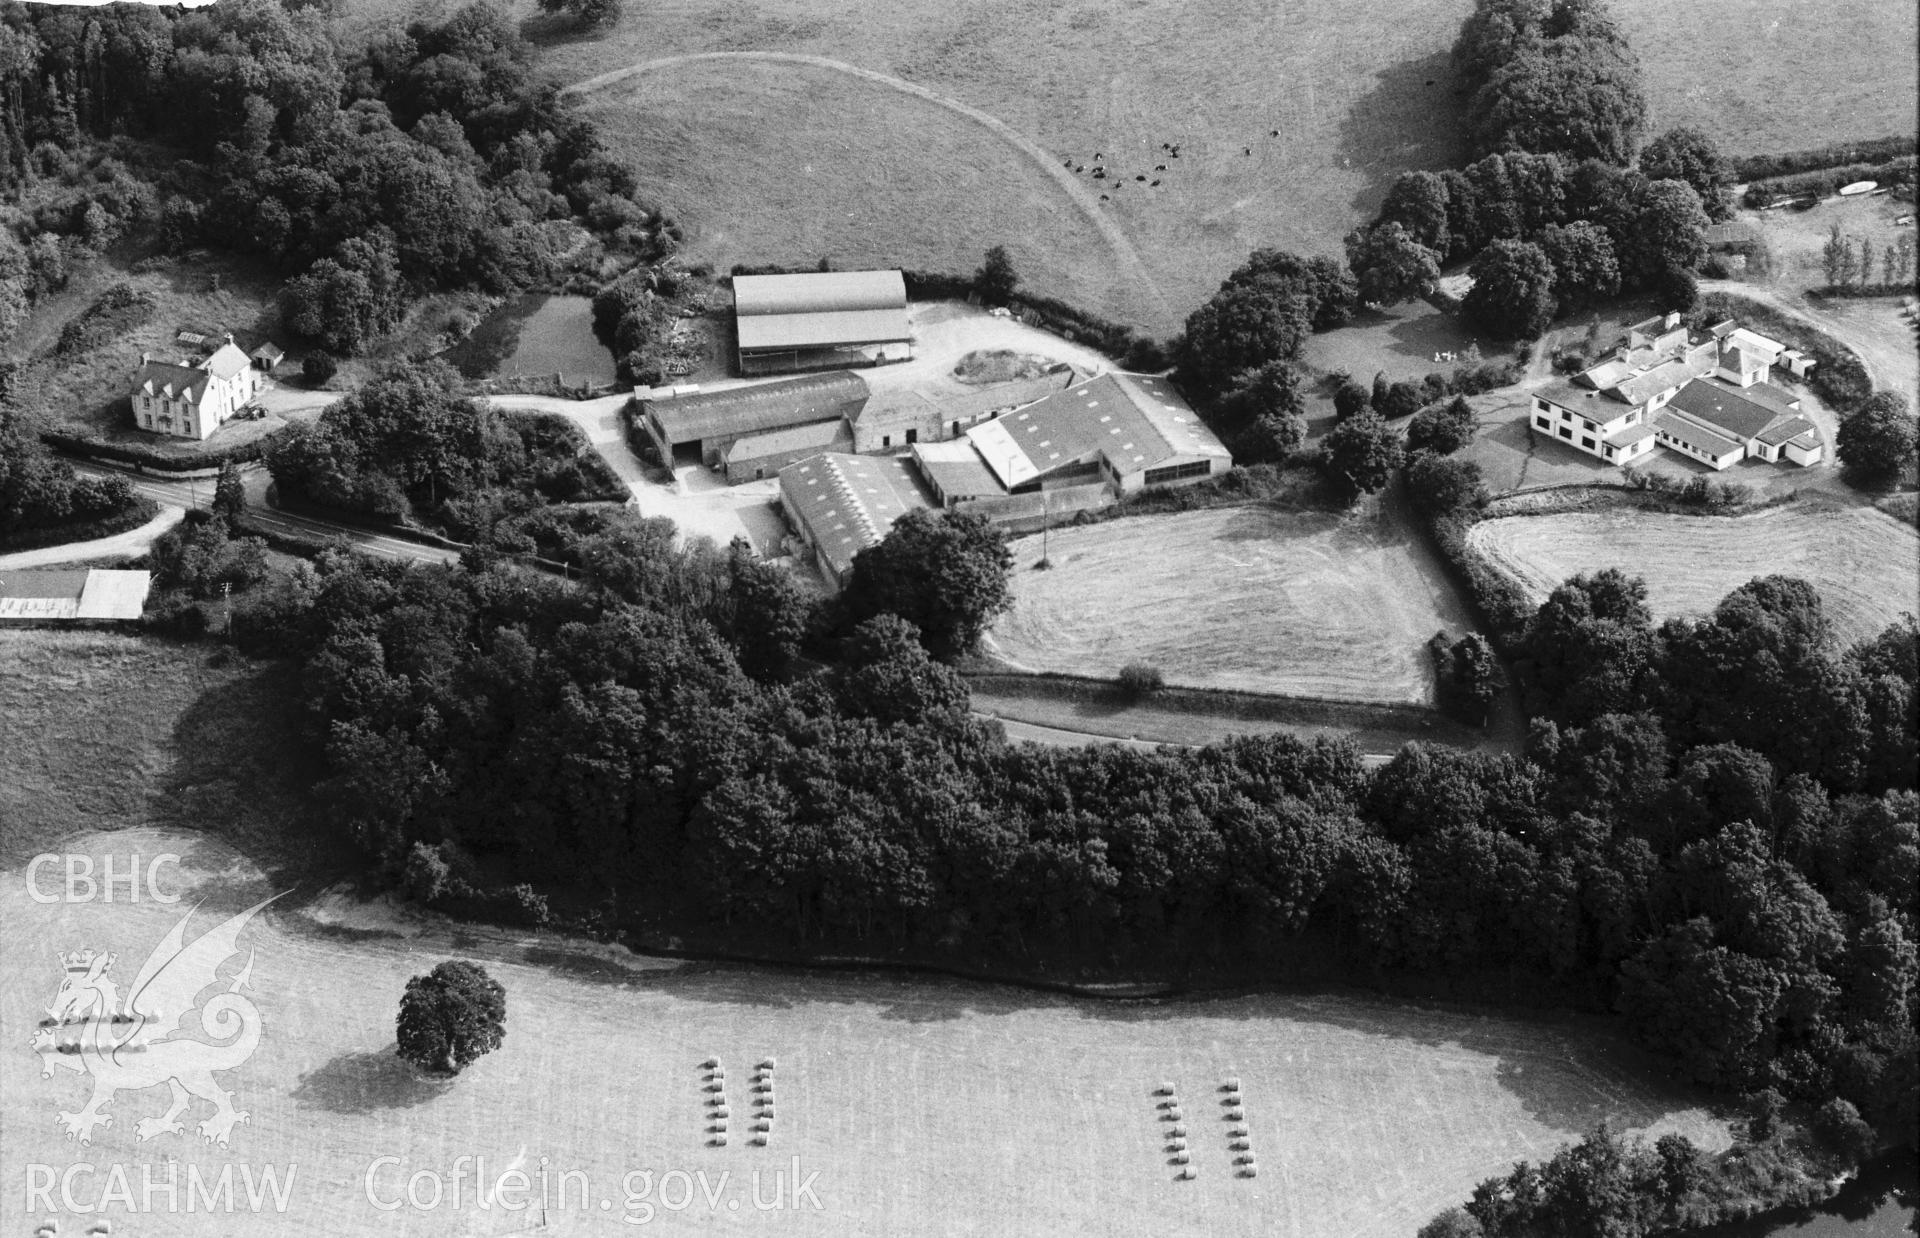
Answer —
(758, 407)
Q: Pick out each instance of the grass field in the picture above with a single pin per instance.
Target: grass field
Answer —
(924, 1106)
(1302, 604)
(1865, 563)
(1289, 127)
(109, 732)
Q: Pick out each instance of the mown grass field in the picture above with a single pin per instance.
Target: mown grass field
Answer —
(1290, 126)
(1296, 604)
(1865, 563)
(924, 1105)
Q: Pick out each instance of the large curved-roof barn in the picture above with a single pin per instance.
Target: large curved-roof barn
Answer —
(820, 320)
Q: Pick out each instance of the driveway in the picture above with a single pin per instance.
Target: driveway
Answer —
(699, 501)
(131, 544)
(945, 331)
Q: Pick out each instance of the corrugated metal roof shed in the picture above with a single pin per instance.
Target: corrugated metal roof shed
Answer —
(758, 407)
(824, 329)
(114, 594)
(956, 470)
(818, 292)
(1134, 421)
(819, 309)
(79, 594)
(848, 502)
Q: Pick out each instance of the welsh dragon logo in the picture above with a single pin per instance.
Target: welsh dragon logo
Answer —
(140, 1043)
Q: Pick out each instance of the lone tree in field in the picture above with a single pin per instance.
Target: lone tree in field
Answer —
(449, 1017)
(1877, 440)
(946, 574)
(995, 281)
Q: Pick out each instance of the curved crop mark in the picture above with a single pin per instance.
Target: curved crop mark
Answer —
(1123, 251)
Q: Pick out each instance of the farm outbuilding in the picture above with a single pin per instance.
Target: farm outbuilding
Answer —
(895, 420)
(763, 455)
(841, 504)
(702, 426)
(1130, 431)
(81, 596)
(820, 320)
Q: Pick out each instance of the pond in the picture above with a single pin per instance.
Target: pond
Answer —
(535, 334)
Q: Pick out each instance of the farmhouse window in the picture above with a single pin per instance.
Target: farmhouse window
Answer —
(1588, 426)
(1543, 423)
(1566, 432)
(1586, 442)
(1609, 452)
(886, 440)
(1174, 472)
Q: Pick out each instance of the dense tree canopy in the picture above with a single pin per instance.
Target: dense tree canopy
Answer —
(1441, 428)
(1513, 293)
(1551, 78)
(945, 574)
(1691, 157)
(1362, 452)
(369, 169)
(1262, 313)
(1390, 264)
(1878, 440)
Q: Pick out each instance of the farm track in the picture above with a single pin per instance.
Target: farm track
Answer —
(1123, 250)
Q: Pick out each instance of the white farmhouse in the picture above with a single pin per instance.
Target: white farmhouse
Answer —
(191, 401)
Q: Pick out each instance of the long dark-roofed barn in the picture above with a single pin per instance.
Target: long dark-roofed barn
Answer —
(705, 424)
(820, 321)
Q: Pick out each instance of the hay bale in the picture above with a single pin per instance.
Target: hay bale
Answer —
(1187, 1173)
(710, 1063)
(1165, 1089)
(1245, 1158)
(1172, 1114)
(721, 1111)
(1176, 1132)
(1240, 1145)
(1232, 1084)
(1180, 1158)
(766, 1063)
(718, 1141)
(1237, 1132)
(1249, 1171)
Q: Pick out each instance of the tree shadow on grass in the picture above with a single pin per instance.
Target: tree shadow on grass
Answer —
(366, 1082)
(242, 770)
(1410, 119)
